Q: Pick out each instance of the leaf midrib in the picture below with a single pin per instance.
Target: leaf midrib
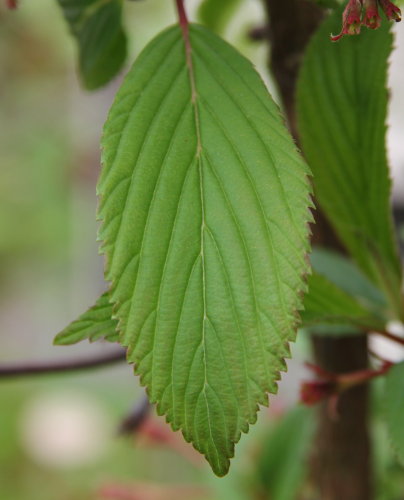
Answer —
(198, 155)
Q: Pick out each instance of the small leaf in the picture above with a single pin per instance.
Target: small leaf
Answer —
(215, 15)
(325, 303)
(204, 202)
(94, 324)
(345, 275)
(342, 103)
(394, 408)
(96, 24)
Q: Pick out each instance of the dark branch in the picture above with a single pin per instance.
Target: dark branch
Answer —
(136, 417)
(24, 369)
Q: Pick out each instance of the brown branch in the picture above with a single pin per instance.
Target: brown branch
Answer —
(137, 416)
(290, 26)
(388, 335)
(29, 368)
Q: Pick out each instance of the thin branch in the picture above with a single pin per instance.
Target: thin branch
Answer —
(388, 335)
(29, 368)
(136, 417)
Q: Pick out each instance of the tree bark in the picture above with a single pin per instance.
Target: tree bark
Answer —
(340, 463)
(291, 24)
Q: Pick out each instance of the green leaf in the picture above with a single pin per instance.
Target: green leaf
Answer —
(326, 303)
(346, 275)
(94, 324)
(204, 202)
(329, 4)
(215, 15)
(394, 408)
(282, 466)
(342, 103)
(96, 24)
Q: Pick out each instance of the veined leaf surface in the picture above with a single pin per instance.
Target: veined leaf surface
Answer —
(96, 323)
(96, 24)
(342, 103)
(204, 203)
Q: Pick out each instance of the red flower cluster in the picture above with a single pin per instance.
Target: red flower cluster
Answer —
(359, 13)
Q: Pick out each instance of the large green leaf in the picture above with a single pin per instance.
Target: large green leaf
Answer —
(394, 408)
(94, 324)
(357, 303)
(342, 101)
(325, 303)
(204, 202)
(96, 24)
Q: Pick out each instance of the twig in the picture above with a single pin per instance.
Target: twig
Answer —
(136, 417)
(388, 335)
(29, 368)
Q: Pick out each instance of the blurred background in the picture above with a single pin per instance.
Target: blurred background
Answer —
(59, 435)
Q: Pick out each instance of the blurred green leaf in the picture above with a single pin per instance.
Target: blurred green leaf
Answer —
(394, 408)
(204, 206)
(215, 14)
(96, 323)
(282, 465)
(345, 275)
(326, 303)
(329, 4)
(97, 26)
(342, 103)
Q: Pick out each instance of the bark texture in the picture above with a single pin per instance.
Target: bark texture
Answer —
(291, 24)
(341, 465)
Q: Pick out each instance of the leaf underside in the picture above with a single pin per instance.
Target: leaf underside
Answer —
(96, 24)
(95, 324)
(326, 303)
(344, 273)
(204, 202)
(342, 105)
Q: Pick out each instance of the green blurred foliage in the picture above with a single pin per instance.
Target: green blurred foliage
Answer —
(215, 15)
(34, 178)
(39, 171)
(282, 465)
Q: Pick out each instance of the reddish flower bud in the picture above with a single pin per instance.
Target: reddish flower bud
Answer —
(371, 17)
(313, 392)
(393, 13)
(351, 20)
(353, 17)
